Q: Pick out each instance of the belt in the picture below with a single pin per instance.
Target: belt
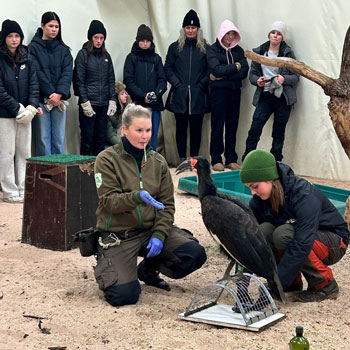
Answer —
(122, 235)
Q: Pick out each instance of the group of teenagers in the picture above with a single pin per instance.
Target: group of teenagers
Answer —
(36, 80)
(135, 214)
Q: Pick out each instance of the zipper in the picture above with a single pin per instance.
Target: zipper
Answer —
(189, 83)
(100, 71)
(140, 183)
(146, 76)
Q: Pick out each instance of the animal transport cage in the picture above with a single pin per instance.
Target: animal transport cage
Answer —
(239, 301)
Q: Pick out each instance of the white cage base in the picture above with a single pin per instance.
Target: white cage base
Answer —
(222, 315)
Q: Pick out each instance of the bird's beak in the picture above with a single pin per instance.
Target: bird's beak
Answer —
(186, 165)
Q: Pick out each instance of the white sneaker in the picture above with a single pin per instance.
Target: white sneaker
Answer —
(14, 199)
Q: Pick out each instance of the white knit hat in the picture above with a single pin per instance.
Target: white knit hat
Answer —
(280, 26)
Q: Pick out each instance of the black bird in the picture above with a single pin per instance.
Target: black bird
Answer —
(233, 225)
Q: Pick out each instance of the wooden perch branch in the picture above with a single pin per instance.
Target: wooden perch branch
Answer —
(345, 63)
(296, 66)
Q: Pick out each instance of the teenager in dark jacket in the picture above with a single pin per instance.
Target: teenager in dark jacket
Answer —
(304, 228)
(53, 62)
(19, 99)
(94, 84)
(227, 67)
(145, 78)
(275, 92)
(186, 70)
(115, 121)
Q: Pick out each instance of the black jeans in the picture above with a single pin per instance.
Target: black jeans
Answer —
(267, 105)
(225, 105)
(196, 121)
(93, 131)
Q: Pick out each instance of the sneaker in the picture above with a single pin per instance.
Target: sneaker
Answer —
(233, 166)
(151, 277)
(14, 199)
(330, 291)
(218, 167)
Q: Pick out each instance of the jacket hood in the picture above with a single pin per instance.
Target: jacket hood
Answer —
(227, 26)
(284, 48)
(38, 38)
(287, 176)
(137, 49)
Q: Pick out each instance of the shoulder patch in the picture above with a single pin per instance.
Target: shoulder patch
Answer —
(98, 180)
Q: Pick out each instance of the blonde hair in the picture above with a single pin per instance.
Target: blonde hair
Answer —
(134, 111)
(277, 195)
(201, 42)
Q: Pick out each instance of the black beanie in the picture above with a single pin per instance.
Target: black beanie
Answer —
(8, 27)
(191, 19)
(144, 33)
(96, 27)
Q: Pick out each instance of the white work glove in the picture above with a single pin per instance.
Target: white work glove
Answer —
(87, 109)
(21, 109)
(48, 106)
(63, 106)
(27, 116)
(112, 108)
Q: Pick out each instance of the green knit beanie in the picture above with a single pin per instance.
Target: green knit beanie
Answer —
(258, 165)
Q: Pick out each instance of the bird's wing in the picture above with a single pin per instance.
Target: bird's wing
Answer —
(237, 201)
(239, 234)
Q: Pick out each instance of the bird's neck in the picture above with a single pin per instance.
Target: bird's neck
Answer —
(206, 187)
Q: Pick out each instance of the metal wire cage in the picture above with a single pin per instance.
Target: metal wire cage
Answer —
(251, 299)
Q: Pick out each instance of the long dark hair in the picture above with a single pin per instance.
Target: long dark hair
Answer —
(52, 16)
(17, 55)
(277, 195)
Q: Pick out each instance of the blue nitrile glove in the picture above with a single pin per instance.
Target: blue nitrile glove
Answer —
(155, 246)
(148, 199)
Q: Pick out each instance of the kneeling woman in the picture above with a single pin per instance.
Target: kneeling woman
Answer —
(304, 228)
(135, 216)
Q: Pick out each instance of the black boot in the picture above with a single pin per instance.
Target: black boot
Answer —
(330, 291)
(151, 277)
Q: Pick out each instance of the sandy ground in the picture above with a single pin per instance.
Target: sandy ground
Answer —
(60, 288)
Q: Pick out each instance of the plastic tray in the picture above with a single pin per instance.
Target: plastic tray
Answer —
(229, 182)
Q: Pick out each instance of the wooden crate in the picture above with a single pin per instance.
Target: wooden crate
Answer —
(60, 199)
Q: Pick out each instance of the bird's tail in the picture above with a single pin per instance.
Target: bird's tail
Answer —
(276, 288)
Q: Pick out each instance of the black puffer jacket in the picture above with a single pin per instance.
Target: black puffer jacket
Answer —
(290, 79)
(187, 72)
(144, 72)
(94, 77)
(221, 65)
(18, 84)
(54, 66)
(311, 210)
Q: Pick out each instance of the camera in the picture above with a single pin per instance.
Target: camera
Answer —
(152, 97)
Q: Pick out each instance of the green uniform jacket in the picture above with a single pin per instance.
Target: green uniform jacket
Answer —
(119, 181)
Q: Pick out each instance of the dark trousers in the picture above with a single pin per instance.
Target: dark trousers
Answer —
(116, 270)
(195, 121)
(225, 104)
(267, 105)
(328, 249)
(93, 131)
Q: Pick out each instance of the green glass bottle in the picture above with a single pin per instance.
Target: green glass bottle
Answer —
(299, 342)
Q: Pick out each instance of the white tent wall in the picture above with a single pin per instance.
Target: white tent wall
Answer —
(316, 31)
